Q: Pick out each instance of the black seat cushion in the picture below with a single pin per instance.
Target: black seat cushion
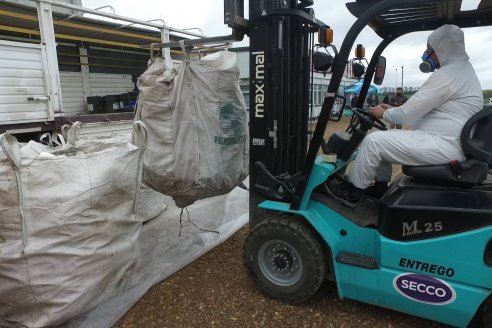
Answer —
(468, 172)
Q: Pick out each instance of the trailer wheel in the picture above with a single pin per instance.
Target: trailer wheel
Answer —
(285, 258)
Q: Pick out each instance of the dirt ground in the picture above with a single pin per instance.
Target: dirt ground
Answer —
(215, 291)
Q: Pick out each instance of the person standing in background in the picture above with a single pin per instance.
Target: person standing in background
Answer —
(397, 100)
(353, 102)
(386, 98)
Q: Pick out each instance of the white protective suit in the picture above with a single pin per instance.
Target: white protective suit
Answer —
(438, 112)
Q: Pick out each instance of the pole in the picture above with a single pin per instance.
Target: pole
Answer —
(402, 76)
(396, 77)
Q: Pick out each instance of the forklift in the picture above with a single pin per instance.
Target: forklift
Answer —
(425, 248)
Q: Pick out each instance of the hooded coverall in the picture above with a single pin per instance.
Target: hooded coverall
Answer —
(438, 112)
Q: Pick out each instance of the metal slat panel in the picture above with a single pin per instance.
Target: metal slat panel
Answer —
(72, 106)
(22, 91)
(29, 65)
(24, 111)
(14, 53)
(72, 92)
(25, 117)
(21, 77)
(15, 82)
(15, 100)
(73, 85)
(103, 84)
(105, 77)
(20, 73)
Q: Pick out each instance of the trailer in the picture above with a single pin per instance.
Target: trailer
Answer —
(61, 63)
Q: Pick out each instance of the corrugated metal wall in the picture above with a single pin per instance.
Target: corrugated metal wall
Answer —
(21, 78)
(72, 92)
(103, 84)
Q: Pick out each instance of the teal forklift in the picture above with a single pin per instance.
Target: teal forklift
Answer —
(425, 247)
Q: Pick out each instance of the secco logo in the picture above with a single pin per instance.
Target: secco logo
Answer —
(424, 289)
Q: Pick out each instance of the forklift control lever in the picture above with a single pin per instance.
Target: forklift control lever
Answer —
(279, 188)
(456, 168)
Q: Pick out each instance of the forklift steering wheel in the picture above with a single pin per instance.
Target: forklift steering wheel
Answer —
(369, 120)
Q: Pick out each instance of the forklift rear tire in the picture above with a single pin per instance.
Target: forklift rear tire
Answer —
(286, 259)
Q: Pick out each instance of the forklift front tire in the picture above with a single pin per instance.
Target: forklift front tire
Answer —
(286, 259)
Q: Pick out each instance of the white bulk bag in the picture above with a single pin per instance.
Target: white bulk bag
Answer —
(150, 204)
(196, 120)
(68, 230)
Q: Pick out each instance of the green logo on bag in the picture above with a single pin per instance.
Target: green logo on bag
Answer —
(5, 177)
(232, 123)
(229, 140)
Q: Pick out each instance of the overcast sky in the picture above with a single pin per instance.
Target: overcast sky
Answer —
(406, 51)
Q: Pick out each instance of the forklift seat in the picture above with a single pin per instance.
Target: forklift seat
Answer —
(476, 142)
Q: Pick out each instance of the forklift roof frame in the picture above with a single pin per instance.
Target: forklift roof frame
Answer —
(390, 19)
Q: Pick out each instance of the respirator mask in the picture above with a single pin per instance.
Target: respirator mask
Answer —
(428, 64)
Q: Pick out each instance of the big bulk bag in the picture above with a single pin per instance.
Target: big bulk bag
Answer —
(68, 231)
(196, 120)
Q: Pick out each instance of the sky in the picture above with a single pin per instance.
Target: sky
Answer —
(406, 51)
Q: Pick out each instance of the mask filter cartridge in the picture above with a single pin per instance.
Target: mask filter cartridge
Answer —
(428, 64)
(425, 67)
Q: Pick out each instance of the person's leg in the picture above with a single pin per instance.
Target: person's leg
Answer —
(383, 172)
(380, 149)
(399, 147)
(381, 181)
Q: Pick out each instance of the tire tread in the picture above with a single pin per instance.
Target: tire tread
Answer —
(300, 230)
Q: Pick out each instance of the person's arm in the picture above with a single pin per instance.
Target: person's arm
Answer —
(433, 93)
(386, 106)
(377, 111)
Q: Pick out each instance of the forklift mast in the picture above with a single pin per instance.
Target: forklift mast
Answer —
(279, 32)
(280, 67)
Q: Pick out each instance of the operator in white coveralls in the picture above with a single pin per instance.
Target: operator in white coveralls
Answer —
(437, 112)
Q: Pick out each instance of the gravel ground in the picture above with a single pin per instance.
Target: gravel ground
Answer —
(215, 291)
